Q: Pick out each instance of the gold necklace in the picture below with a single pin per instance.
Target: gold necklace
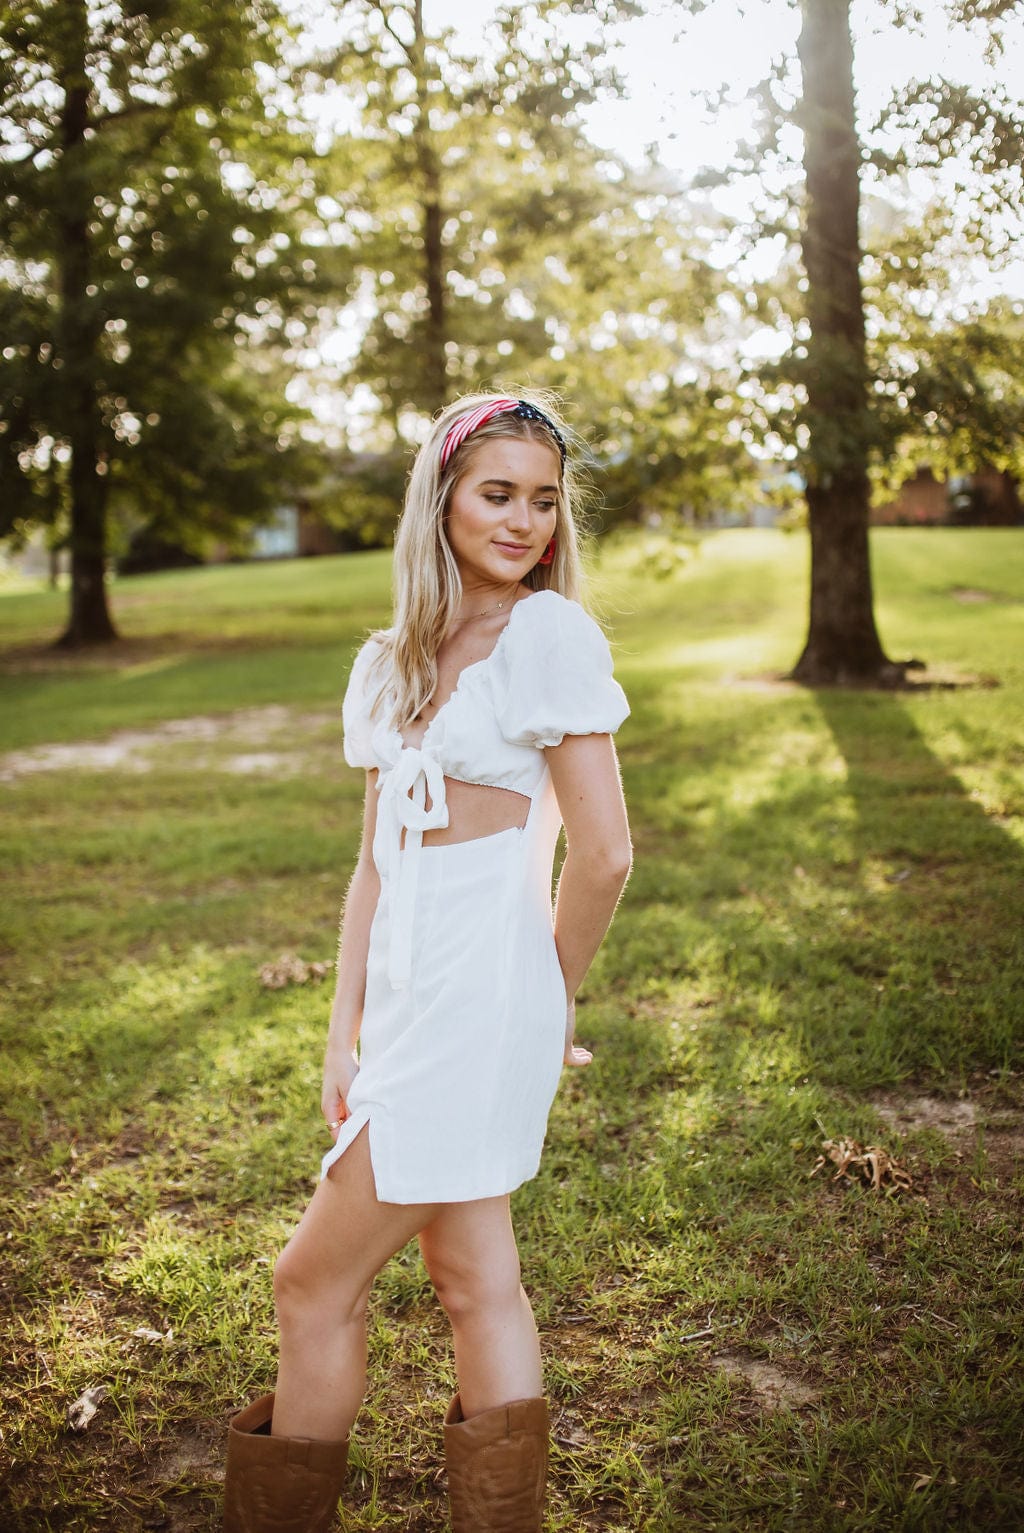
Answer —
(485, 613)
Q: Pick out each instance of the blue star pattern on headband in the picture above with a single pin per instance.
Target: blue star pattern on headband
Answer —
(527, 412)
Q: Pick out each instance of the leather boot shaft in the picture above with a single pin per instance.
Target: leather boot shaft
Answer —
(279, 1484)
(497, 1467)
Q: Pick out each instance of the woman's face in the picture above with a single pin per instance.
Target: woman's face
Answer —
(501, 515)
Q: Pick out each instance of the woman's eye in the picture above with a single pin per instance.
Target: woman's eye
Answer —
(497, 500)
(546, 505)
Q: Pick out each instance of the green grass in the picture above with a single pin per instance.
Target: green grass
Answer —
(823, 928)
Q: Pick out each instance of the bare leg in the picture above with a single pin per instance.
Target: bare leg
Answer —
(321, 1283)
(470, 1252)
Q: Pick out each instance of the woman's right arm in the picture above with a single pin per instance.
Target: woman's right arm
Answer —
(585, 773)
(340, 1063)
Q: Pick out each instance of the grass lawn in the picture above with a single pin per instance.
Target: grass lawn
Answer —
(822, 939)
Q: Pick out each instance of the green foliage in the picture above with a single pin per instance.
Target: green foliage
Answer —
(681, 457)
(941, 121)
(360, 496)
(190, 225)
(945, 388)
(947, 385)
(493, 243)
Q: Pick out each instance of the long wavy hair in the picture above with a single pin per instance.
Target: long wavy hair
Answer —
(427, 587)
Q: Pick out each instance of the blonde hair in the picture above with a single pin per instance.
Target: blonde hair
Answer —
(427, 587)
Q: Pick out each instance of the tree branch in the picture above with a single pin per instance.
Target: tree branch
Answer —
(385, 16)
(137, 109)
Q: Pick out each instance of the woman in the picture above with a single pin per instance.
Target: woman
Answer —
(483, 719)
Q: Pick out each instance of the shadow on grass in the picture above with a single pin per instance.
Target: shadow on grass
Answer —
(955, 876)
(803, 928)
(843, 887)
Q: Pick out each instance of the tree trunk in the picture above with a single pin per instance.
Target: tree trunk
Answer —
(435, 375)
(89, 620)
(842, 644)
(433, 250)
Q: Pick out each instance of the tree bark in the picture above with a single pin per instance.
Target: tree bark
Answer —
(842, 645)
(89, 620)
(435, 374)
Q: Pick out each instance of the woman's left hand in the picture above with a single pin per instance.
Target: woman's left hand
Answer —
(575, 1056)
(340, 1069)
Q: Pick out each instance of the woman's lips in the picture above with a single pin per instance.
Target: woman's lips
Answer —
(516, 549)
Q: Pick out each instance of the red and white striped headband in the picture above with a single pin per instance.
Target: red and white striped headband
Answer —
(464, 425)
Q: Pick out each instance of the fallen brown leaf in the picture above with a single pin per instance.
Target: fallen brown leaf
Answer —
(292, 970)
(873, 1167)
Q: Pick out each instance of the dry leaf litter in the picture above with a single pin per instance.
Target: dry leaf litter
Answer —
(872, 1167)
(291, 970)
(82, 1410)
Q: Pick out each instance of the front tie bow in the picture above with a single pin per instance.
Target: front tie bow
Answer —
(404, 791)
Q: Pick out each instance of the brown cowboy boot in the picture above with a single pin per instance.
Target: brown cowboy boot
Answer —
(279, 1484)
(497, 1467)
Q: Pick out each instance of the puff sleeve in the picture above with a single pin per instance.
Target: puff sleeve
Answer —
(558, 678)
(357, 723)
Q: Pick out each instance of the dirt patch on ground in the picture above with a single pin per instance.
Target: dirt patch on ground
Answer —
(952, 1117)
(984, 1124)
(193, 1454)
(774, 1389)
(970, 595)
(198, 743)
(769, 682)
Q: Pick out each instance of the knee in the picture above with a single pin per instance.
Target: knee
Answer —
(292, 1288)
(466, 1293)
(301, 1296)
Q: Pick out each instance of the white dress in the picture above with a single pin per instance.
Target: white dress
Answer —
(464, 1016)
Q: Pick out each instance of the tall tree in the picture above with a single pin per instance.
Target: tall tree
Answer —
(842, 642)
(469, 196)
(830, 399)
(78, 328)
(493, 242)
(148, 212)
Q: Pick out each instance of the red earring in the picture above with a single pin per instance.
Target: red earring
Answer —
(547, 557)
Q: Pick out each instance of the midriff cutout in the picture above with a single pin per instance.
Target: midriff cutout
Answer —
(475, 810)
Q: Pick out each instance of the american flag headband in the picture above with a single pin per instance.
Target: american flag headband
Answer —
(465, 425)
